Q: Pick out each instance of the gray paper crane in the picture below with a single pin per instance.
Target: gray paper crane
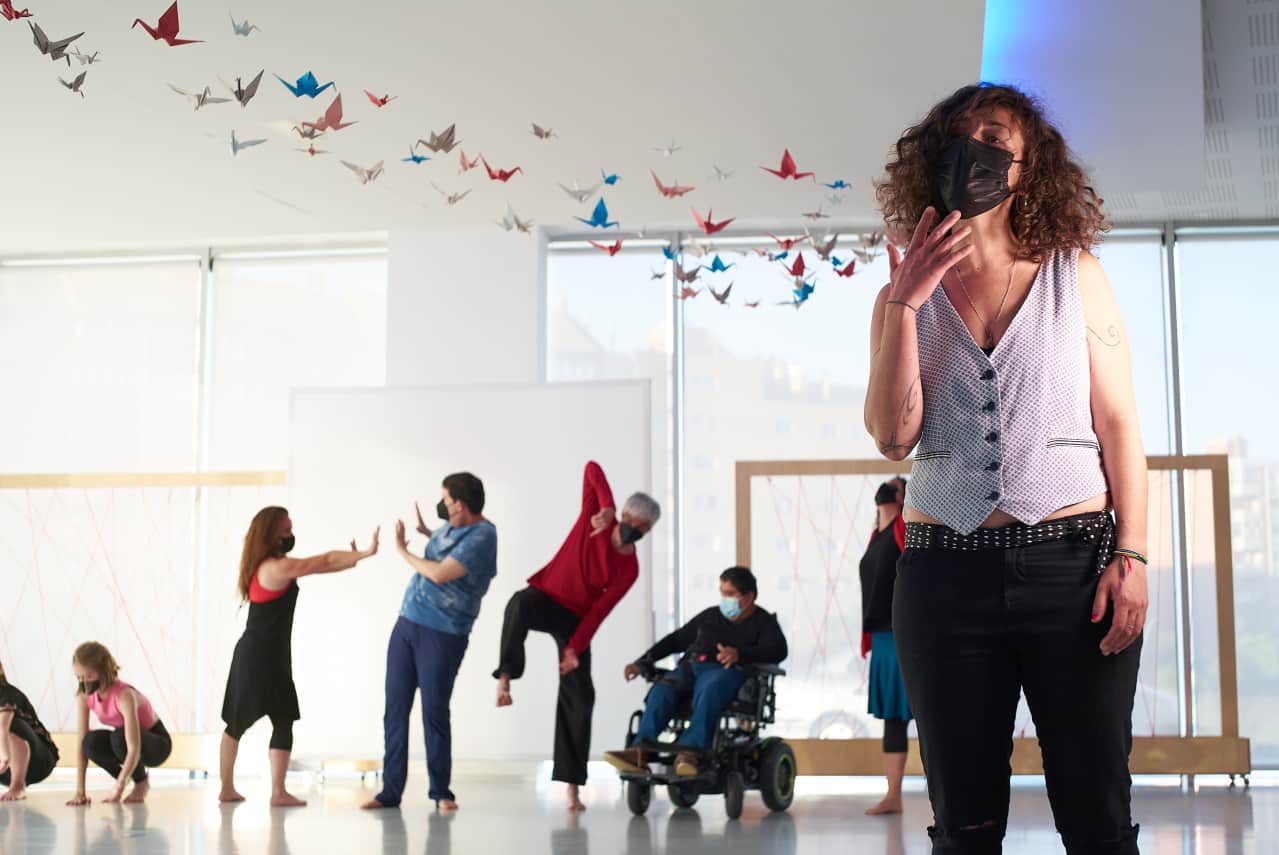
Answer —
(579, 193)
(242, 28)
(244, 94)
(237, 144)
(75, 85)
(201, 99)
(365, 175)
(55, 50)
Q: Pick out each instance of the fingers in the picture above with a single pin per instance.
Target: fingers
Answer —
(947, 223)
(894, 258)
(1122, 630)
(950, 259)
(921, 230)
(1100, 601)
(956, 237)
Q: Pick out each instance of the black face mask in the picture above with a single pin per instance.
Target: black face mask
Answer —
(442, 511)
(286, 544)
(90, 687)
(629, 533)
(971, 177)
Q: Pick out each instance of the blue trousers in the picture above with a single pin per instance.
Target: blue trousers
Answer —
(714, 686)
(419, 658)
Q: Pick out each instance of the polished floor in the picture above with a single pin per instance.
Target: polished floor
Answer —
(515, 810)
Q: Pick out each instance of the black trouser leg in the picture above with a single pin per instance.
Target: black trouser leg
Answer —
(961, 680)
(108, 749)
(1081, 701)
(527, 610)
(894, 741)
(41, 761)
(573, 709)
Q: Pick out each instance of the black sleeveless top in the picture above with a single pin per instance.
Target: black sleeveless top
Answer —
(261, 679)
(879, 575)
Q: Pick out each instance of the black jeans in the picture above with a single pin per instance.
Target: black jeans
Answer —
(531, 609)
(108, 749)
(972, 628)
(42, 761)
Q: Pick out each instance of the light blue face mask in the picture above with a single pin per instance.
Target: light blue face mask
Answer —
(729, 607)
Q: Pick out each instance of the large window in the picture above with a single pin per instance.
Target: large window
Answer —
(139, 382)
(608, 318)
(752, 379)
(1228, 304)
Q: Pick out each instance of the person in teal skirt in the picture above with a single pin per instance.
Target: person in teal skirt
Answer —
(887, 693)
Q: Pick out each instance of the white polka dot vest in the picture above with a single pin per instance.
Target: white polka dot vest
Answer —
(1011, 431)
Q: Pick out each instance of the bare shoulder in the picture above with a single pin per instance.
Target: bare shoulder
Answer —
(1093, 284)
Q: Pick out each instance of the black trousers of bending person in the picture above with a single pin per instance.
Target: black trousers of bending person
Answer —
(108, 749)
(973, 629)
(531, 610)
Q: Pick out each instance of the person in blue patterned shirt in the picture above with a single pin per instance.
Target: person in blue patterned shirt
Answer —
(430, 638)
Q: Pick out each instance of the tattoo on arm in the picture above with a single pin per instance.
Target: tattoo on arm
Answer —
(1111, 338)
(909, 403)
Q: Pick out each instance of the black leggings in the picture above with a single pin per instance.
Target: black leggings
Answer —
(531, 609)
(281, 732)
(895, 736)
(42, 760)
(108, 749)
(973, 629)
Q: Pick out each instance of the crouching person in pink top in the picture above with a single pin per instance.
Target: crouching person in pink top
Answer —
(136, 737)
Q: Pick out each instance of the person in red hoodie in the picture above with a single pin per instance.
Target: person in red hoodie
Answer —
(569, 599)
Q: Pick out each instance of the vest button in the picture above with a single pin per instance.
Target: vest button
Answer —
(988, 374)
(990, 407)
(994, 496)
(993, 436)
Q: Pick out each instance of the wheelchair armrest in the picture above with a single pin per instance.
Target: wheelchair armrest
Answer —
(773, 670)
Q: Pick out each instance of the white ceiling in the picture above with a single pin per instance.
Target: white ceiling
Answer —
(733, 83)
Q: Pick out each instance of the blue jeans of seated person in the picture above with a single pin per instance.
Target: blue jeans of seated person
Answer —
(422, 660)
(714, 687)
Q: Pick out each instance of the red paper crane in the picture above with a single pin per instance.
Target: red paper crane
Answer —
(687, 293)
(331, 120)
(786, 244)
(796, 269)
(788, 169)
(503, 175)
(612, 249)
(382, 101)
(10, 13)
(847, 271)
(707, 225)
(670, 191)
(467, 165)
(753, 304)
(166, 28)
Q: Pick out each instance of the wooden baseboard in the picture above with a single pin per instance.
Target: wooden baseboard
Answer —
(194, 751)
(1151, 755)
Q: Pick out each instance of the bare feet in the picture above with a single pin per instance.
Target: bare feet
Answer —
(504, 691)
(13, 794)
(890, 805)
(372, 804)
(230, 795)
(287, 800)
(574, 800)
(139, 792)
(446, 806)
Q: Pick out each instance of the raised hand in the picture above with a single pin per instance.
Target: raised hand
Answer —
(915, 276)
(372, 550)
(601, 521)
(631, 671)
(421, 523)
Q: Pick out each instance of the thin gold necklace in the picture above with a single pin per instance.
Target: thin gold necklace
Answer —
(999, 313)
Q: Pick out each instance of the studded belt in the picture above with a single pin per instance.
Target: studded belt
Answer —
(1097, 527)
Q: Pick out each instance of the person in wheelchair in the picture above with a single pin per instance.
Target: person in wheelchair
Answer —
(713, 647)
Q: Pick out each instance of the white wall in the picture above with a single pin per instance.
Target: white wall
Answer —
(360, 458)
(465, 306)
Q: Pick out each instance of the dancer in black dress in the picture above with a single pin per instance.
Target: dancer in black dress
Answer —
(260, 683)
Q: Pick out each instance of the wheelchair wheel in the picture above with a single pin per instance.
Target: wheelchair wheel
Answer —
(683, 795)
(639, 795)
(734, 794)
(777, 776)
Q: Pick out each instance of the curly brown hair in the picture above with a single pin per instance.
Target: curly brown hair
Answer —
(1054, 208)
